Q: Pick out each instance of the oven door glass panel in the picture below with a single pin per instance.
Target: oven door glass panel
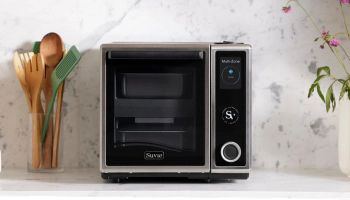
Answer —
(155, 109)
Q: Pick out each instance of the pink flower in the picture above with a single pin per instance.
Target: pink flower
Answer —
(334, 42)
(287, 9)
(325, 33)
(345, 1)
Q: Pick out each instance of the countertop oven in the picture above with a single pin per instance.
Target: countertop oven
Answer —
(175, 110)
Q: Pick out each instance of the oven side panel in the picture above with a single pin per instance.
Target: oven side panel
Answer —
(219, 164)
(102, 70)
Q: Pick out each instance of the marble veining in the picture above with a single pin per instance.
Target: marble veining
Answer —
(289, 130)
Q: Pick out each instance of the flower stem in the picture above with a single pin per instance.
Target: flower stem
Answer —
(319, 31)
(346, 53)
(344, 19)
(339, 59)
(309, 16)
(333, 77)
(288, 2)
(334, 82)
(340, 33)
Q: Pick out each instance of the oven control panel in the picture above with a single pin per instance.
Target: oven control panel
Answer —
(230, 108)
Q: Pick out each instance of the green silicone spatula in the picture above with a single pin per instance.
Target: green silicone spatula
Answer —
(60, 73)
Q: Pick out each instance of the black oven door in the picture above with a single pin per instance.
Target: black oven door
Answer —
(155, 108)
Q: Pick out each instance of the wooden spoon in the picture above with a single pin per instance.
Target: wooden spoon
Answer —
(52, 50)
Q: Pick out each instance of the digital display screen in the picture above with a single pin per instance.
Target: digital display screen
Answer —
(230, 72)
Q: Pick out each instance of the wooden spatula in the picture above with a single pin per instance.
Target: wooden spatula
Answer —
(19, 65)
(34, 72)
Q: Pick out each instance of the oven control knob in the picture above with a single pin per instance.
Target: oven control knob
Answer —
(230, 152)
(230, 115)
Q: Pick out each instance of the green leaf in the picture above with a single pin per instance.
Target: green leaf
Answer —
(311, 90)
(315, 84)
(334, 105)
(329, 97)
(325, 69)
(319, 92)
(348, 93)
(342, 81)
(318, 79)
(333, 101)
(344, 88)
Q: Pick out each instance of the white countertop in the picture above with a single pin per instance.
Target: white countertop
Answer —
(262, 183)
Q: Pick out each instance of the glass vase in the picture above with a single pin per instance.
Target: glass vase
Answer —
(45, 150)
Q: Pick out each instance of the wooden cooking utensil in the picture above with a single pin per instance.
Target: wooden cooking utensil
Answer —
(34, 72)
(52, 50)
(56, 133)
(19, 65)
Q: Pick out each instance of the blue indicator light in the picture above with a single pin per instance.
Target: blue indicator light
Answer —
(230, 71)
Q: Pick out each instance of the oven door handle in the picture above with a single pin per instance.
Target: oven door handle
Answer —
(156, 55)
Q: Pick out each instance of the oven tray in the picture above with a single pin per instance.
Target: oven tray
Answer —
(170, 137)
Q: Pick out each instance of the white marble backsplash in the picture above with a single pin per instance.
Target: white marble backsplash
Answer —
(289, 130)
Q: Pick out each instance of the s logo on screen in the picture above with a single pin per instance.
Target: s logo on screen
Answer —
(230, 115)
(154, 155)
